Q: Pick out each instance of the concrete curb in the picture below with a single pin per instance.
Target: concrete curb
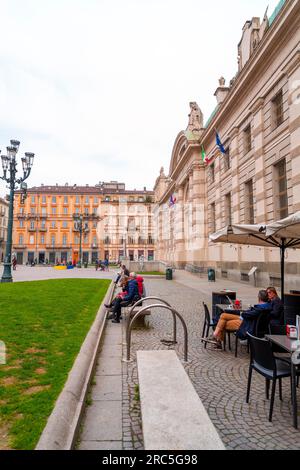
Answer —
(61, 429)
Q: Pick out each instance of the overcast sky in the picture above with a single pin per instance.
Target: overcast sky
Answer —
(99, 89)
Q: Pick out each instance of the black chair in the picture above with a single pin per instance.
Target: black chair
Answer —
(265, 363)
(208, 323)
(261, 328)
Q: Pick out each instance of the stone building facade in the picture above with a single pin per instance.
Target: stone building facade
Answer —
(257, 180)
(117, 223)
(3, 226)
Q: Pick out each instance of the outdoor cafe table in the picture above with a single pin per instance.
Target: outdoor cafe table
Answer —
(286, 343)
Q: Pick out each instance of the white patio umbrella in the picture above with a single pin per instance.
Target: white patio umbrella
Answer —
(242, 234)
(286, 234)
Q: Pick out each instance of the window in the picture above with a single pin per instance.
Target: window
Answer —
(32, 210)
(43, 199)
(150, 255)
(32, 225)
(65, 224)
(53, 210)
(43, 224)
(247, 139)
(212, 172)
(42, 239)
(87, 200)
(228, 218)
(31, 240)
(86, 239)
(65, 210)
(77, 200)
(95, 209)
(95, 240)
(64, 239)
(32, 199)
(21, 210)
(95, 224)
(213, 217)
(76, 210)
(53, 224)
(96, 200)
(277, 109)
(65, 199)
(52, 239)
(86, 211)
(281, 197)
(21, 224)
(53, 199)
(226, 159)
(249, 202)
(44, 211)
(76, 240)
(21, 239)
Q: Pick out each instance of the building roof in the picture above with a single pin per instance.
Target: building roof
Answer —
(97, 190)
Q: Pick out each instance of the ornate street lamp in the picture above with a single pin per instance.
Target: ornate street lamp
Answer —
(9, 164)
(82, 227)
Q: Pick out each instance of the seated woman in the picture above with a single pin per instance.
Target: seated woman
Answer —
(243, 324)
(276, 307)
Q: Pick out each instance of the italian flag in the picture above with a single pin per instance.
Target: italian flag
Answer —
(203, 154)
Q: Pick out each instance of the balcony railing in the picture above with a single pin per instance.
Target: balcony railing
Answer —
(42, 229)
(32, 229)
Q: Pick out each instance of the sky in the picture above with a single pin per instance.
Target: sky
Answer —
(100, 89)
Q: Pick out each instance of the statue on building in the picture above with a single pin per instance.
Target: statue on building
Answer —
(195, 118)
(222, 82)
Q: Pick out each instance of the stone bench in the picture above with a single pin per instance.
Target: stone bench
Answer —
(140, 321)
(173, 415)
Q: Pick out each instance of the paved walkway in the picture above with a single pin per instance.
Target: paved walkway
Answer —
(39, 273)
(218, 377)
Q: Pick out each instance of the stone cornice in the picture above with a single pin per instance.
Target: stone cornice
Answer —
(293, 64)
(277, 34)
(257, 105)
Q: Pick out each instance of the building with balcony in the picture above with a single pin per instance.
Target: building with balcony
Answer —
(257, 179)
(117, 223)
(4, 204)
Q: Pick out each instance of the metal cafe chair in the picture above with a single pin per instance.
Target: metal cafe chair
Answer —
(263, 361)
(208, 323)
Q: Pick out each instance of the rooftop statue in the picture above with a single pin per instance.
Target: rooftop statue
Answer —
(195, 118)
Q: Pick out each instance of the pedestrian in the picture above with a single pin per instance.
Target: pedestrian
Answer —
(14, 263)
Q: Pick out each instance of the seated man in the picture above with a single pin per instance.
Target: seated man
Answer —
(132, 294)
(243, 324)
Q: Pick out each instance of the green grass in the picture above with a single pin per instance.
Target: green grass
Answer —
(152, 273)
(43, 324)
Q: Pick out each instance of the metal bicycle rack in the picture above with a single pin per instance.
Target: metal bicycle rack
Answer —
(139, 302)
(167, 307)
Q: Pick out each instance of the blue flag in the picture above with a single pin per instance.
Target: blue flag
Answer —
(219, 143)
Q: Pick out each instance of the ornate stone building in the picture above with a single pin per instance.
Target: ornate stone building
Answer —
(257, 180)
(116, 223)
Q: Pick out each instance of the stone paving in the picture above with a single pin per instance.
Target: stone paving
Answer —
(218, 377)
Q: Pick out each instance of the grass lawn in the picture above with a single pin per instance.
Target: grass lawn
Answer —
(151, 273)
(43, 325)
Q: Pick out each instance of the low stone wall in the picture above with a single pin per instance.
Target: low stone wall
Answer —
(146, 266)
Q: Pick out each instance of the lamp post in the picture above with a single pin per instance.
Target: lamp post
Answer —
(9, 164)
(82, 227)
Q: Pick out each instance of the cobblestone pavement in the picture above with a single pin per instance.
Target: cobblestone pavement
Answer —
(218, 377)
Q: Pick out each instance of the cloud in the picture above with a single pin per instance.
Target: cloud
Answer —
(99, 90)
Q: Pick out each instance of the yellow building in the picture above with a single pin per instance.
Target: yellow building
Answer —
(45, 228)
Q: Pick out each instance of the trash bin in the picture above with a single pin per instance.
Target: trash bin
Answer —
(169, 274)
(85, 265)
(211, 274)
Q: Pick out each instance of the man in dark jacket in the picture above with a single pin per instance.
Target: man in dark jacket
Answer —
(250, 316)
(132, 294)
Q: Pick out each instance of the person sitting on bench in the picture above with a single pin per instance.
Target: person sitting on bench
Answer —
(132, 295)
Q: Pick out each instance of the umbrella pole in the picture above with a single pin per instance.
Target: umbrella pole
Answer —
(282, 252)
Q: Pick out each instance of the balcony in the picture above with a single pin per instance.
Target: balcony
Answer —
(21, 215)
(19, 247)
(94, 245)
(59, 246)
(42, 229)
(32, 230)
(32, 216)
